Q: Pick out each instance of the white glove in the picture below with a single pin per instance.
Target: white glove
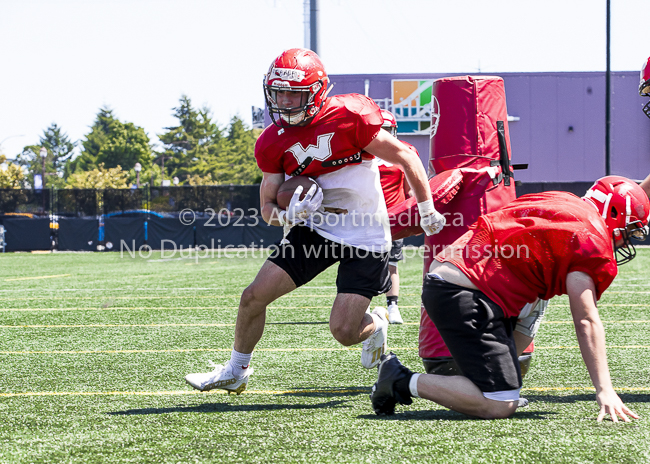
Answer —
(431, 220)
(299, 210)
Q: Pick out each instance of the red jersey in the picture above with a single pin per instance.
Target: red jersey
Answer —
(526, 249)
(393, 179)
(343, 127)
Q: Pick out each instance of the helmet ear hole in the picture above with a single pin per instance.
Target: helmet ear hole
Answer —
(613, 212)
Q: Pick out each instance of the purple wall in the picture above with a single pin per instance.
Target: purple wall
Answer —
(548, 105)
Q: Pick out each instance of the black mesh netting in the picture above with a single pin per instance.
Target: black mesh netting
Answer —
(27, 201)
(235, 199)
(202, 198)
(76, 202)
(123, 200)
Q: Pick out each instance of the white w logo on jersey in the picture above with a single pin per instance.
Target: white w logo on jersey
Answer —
(321, 151)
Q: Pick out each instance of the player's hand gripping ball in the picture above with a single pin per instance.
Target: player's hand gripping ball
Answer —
(287, 189)
(304, 198)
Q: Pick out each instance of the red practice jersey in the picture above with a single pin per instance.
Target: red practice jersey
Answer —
(393, 180)
(343, 127)
(526, 249)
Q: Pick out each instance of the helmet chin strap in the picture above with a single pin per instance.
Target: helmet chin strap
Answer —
(329, 89)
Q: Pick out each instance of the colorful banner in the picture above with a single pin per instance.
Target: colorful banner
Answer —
(412, 104)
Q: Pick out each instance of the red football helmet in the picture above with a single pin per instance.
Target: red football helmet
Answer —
(625, 208)
(295, 87)
(390, 123)
(644, 86)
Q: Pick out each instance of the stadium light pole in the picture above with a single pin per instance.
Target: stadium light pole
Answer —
(313, 26)
(306, 14)
(608, 92)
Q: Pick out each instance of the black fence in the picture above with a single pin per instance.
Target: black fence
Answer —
(167, 201)
(26, 202)
(206, 199)
(76, 202)
(242, 200)
(107, 219)
(156, 217)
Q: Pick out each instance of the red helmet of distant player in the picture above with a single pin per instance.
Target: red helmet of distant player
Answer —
(295, 87)
(625, 208)
(644, 86)
(390, 123)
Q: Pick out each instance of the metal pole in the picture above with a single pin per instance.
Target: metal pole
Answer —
(43, 183)
(306, 9)
(313, 26)
(608, 98)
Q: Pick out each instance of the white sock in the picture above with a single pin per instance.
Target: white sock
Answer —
(413, 385)
(239, 362)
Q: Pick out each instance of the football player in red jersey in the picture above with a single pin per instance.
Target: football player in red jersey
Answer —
(396, 189)
(538, 246)
(644, 91)
(334, 140)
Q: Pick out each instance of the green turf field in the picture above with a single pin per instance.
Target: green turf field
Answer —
(94, 348)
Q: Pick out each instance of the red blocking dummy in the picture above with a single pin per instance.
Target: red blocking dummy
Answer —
(469, 137)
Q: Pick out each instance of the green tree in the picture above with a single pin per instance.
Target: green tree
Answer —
(58, 145)
(31, 160)
(200, 180)
(236, 163)
(99, 178)
(112, 143)
(192, 146)
(198, 152)
(11, 176)
(93, 144)
(59, 150)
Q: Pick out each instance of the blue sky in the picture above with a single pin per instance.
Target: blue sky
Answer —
(61, 60)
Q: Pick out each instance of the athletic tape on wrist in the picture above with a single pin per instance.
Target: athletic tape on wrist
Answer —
(426, 208)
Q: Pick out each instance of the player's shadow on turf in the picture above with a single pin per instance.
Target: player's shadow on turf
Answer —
(329, 392)
(447, 415)
(625, 397)
(298, 323)
(226, 407)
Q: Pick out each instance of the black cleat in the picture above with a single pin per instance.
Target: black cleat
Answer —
(384, 395)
